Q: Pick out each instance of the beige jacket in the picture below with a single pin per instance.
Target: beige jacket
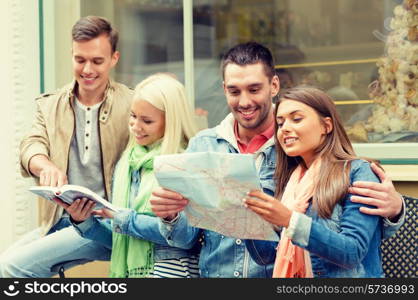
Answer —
(53, 130)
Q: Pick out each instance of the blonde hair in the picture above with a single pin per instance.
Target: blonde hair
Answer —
(166, 93)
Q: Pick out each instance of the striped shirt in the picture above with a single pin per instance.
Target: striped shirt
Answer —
(185, 267)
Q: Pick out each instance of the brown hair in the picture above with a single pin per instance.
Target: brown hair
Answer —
(247, 54)
(336, 152)
(90, 27)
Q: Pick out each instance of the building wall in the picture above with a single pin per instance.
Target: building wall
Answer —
(19, 58)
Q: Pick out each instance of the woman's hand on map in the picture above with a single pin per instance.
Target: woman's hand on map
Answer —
(268, 207)
(167, 204)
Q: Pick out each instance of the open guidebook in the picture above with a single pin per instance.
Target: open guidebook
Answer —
(68, 193)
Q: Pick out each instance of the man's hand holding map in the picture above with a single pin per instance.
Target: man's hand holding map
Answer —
(215, 184)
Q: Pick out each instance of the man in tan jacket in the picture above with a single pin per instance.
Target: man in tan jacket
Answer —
(77, 137)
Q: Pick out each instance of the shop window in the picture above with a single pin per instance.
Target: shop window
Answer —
(150, 36)
(363, 53)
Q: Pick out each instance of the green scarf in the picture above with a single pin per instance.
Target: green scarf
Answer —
(133, 257)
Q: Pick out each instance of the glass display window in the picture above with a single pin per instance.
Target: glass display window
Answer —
(345, 47)
(150, 36)
(363, 53)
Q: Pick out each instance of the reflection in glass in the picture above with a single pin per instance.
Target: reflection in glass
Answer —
(335, 45)
(150, 36)
(341, 46)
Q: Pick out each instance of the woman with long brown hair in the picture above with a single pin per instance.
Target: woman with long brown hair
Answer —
(323, 233)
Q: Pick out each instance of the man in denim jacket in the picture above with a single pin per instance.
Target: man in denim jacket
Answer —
(249, 84)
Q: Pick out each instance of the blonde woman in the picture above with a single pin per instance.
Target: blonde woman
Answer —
(161, 122)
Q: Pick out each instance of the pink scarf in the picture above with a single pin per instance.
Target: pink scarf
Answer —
(293, 261)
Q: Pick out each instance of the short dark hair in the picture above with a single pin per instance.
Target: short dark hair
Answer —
(90, 27)
(247, 54)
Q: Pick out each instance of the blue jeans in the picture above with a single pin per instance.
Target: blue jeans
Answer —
(34, 255)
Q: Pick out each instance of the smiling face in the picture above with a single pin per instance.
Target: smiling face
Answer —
(92, 62)
(146, 122)
(249, 94)
(300, 129)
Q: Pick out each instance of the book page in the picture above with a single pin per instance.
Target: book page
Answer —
(46, 192)
(69, 193)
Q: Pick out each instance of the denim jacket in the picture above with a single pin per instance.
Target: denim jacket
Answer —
(223, 256)
(345, 245)
(129, 222)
